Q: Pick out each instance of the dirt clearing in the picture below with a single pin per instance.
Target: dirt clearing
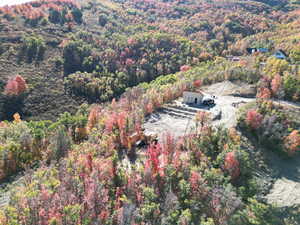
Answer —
(178, 119)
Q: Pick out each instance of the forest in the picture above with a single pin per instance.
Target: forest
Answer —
(79, 79)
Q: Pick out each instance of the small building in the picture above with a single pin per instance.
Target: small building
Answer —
(192, 97)
(260, 50)
(280, 54)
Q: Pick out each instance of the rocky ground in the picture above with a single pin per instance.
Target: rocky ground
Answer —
(286, 174)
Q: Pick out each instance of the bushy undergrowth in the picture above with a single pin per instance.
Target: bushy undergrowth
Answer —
(33, 49)
(177, 183)
(204, 177)
(272, 126)
(124, 63)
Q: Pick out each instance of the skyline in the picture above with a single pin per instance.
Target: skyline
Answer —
(13, 2)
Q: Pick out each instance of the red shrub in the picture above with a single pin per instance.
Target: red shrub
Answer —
(93, 117)
(254, 119)
(231, 165)
(264, 93)
(149, 108)
(276, 84)
(153, 162)
(292, 142)
(185, 68)
(197, 83)
(129, 62)
(131, 41)
(194, 180)
(15, 86)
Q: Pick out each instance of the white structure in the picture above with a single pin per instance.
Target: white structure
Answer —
(192, 97)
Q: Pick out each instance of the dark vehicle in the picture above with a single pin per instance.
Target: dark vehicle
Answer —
(208, 101)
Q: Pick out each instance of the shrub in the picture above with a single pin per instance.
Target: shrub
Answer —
(60, 144)
(254, 119)
(77, 15)
(291, 87)
(292, 142)
(33, 48)
(232, 165)
(15, 86)
(74, 54)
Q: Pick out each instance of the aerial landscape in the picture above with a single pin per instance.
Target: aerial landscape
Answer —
(150, 112)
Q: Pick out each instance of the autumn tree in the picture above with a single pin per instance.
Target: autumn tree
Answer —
(275, 66)
(292, 142)
(93, 117)
(197, 83)
(254, 119)
(185, 68)
(15, 86)
(232, 165)
(264, 93)
(202, 119)
(276, 86)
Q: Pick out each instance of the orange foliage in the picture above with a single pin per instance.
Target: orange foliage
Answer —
(231, 165)
(17, 118)
(197, 83)
(264, 93)
(276, 84)
(32, 10)
(292, 142)
(93, 117)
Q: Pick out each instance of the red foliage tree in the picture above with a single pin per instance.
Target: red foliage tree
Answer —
(93, 117)
(254, 119)
(232, 165)
(197, 83)
(195, 178)
(149, 108)
(129, 62)
(185, 68)
(15, 86)
(153, 162)
(292, 142)
(264, 93)
(131, 41)
(276, 84)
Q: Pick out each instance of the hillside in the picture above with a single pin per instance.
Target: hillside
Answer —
(100, 123)
(128, 56)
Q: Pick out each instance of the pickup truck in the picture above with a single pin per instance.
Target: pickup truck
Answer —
(208, 100)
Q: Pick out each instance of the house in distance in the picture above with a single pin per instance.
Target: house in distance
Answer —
(260, 50)
(280, 54)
